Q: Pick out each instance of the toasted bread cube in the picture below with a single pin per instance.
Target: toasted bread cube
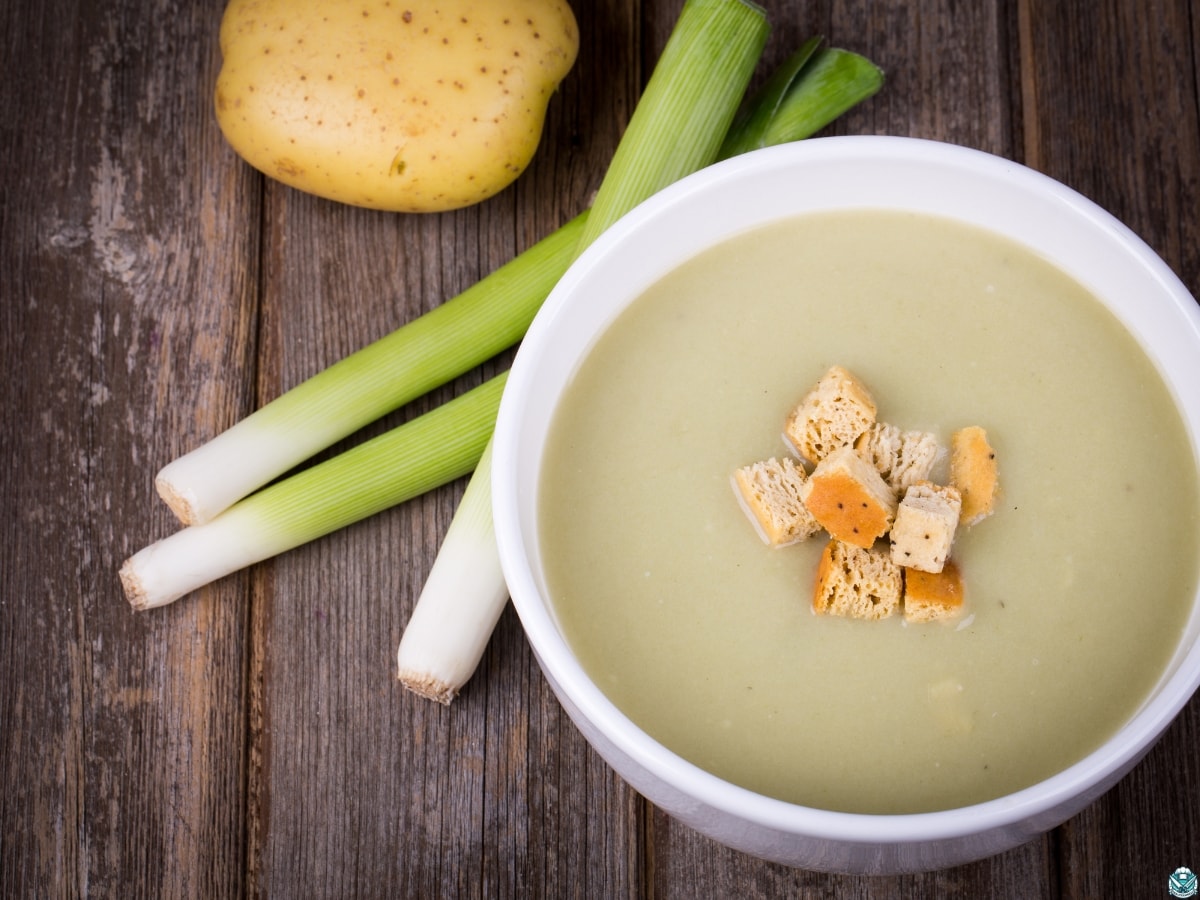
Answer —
(924, 528)
(857, 583)
(832, 415)
(769, 492)
(974, 472)
(933, 596)
(849, 498)
(902, 457)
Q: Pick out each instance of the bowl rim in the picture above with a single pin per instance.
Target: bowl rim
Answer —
(1108, 762)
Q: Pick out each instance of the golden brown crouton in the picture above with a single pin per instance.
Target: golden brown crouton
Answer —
(769, 492)
(933, 596)
(850, 498)
(973, 471)
(856, 583)
(832, 415)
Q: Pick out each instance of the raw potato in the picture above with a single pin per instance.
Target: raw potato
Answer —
(402, 106)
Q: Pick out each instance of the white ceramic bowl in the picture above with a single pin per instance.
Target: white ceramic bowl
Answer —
(705, 209)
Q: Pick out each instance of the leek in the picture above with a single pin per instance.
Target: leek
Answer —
(677, 128)
(453, 619)
(809, 90)
(344, 489)
(461, 602)
(830, 83)
(484, 320)
(446, 342)
(686, 108)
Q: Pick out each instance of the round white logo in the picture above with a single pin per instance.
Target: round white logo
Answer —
(1182, 883)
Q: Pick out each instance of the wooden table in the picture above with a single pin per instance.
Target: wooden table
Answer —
(251, 739)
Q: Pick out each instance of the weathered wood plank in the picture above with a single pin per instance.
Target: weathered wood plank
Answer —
(946, 65)
(127, 252)
(686, 865)
(489, 797)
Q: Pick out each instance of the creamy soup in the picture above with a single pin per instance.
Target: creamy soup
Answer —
(1076, 589)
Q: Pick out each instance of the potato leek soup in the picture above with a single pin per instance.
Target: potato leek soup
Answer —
(1076, 589)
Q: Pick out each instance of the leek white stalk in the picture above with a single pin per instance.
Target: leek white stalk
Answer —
(411, 459)
(437, 654)
(453, 338)
(677, 128)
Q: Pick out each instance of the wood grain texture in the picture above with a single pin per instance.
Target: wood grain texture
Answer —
(127, 332)
(251, 740)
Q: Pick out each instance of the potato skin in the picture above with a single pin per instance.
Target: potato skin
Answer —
(406, 106)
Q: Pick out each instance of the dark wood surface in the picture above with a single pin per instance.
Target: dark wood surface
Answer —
(251, 740)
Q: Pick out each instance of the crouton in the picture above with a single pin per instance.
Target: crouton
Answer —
(923, 531)
(769, 492)
(849, 498)
(857, 583)
(974, 472)
(832, 415)
(902, 457)
(932, 596)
